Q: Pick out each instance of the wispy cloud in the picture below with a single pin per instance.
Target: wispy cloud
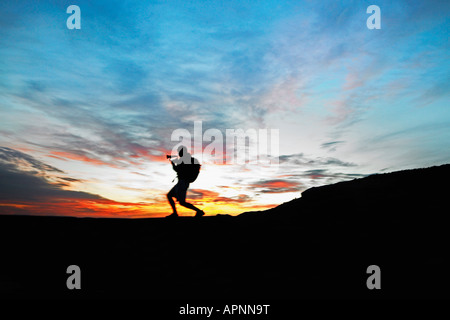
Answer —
(301, 159)
(276, 186)
(23, 178)
(331, 145)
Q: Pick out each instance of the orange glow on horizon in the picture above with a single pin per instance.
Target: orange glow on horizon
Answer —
(104, 208)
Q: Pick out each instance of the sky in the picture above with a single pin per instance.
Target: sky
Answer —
(87, 115)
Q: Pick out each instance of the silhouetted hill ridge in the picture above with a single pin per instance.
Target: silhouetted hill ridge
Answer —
(411, 190)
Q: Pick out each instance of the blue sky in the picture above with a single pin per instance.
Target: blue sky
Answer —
(100, 103)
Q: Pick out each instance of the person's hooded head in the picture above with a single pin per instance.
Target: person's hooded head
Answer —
(184, 154)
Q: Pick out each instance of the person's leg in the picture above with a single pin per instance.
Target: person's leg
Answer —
(181, 192)
(170, 197)
(200, 213)
(189, 206)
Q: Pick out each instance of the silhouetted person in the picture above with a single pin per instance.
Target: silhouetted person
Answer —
(187, 169)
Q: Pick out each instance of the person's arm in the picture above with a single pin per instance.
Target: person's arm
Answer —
(174, 167)
(174, 164)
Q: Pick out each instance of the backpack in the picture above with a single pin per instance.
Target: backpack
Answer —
(189, 172)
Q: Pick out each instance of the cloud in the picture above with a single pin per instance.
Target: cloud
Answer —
(25, 186)
(212, 196)
(331, 145)
(276, 186)
(14, 158)
(19, 183)
(76, 130)
(301, 160)
(316, 174)
(315, 171)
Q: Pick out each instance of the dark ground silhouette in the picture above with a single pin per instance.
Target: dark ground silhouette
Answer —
(317, 246)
